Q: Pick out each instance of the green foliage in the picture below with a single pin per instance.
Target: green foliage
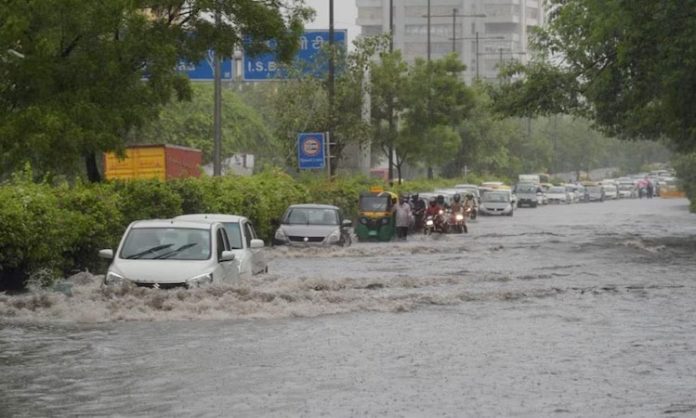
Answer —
(685, 165)
(623, 65)
(74, 85)
(146, 199)
(190, 123)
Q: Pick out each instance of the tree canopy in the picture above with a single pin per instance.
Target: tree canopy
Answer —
(626, 65)
(78, 76)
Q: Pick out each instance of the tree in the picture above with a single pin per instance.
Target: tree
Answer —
(91, 72)
(435, 102)
(621, 64)
(301, 103)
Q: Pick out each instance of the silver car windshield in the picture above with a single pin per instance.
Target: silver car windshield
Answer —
(311, 216)
(557, 190)
(166, 243)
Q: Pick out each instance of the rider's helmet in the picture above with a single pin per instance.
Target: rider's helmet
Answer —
(469, 196)
(441, 199)
(414, 197)
(457, 197)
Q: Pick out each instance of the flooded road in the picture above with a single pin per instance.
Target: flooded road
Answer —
(578, 310)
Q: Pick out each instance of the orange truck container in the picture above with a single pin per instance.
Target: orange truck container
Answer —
(161, 162)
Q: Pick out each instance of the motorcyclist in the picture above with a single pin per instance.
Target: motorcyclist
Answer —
(435, 211)
(458, 208)
(457, 205)
(469, 201)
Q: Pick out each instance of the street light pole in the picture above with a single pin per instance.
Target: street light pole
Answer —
(390, 172)
(217, 106)
(332, 56)
(454, 30)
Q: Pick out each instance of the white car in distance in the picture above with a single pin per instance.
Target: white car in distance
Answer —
(246, 246)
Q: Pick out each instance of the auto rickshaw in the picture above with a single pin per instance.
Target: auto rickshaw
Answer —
(375, 218)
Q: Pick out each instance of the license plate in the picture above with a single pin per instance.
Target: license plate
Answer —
(372, 233)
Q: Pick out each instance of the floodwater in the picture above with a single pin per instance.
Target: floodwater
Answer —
(574, 311)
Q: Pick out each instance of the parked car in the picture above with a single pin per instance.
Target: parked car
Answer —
(558, 194)
(312, 224)
(628, 190)
(171, 253)
(610, 191)
(497, 202)
(594, 193)
(244, 243)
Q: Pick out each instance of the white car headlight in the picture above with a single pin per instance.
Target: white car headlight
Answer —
(112, 278)
(280, 235)
(200, 280)
(335, 236)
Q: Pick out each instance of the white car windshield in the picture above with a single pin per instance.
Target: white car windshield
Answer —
(311, 216)
(557, 190)
(167, 243)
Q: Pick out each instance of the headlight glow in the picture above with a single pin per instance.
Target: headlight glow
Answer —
(429, 222)
(459, 217)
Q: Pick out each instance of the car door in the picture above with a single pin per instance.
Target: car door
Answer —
(229, 268)
(258, 260)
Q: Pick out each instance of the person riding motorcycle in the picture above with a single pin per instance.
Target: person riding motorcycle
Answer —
(435, 210)
(458, 208)
(457, 205)
(470, 202)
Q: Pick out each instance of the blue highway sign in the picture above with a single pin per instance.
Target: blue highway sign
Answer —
(266, 66)
(203, 70)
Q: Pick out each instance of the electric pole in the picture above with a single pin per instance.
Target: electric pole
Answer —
(217, 106)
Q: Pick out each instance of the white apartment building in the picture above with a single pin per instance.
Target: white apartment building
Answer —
(501, 27)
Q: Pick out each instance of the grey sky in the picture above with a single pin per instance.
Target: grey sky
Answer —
(345, 13)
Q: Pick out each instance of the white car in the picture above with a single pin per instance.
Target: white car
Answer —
(171, 253)
(246, 246)
(558, 194)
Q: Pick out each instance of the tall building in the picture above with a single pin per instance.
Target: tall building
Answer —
(486, 32)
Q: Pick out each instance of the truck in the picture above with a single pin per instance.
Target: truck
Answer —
(529, 178)
(153, 161)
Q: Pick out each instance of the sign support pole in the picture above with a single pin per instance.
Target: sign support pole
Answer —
(327, 147)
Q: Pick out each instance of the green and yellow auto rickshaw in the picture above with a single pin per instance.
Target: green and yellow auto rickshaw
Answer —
(375, 218)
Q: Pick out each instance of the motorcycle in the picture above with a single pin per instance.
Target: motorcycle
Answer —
(471, 212)
(457, 222)
(435, 223)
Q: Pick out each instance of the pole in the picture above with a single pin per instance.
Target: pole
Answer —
(428, 29)
(217, 107)
(454, 30)
(327, 144)
(430, 169)
(331, 74)
(500, 50)
(390, 171)
(477, 55)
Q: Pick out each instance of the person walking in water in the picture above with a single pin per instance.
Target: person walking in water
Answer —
(402, 213)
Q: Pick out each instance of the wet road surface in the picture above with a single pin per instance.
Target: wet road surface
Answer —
(577, 310)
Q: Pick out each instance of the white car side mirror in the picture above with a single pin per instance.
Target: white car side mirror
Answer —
(107, 253)
(227, 256)
(257, 243)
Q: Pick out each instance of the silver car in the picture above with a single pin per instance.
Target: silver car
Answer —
(313, 224)
(171, 253)
(497, 202)
(246, 246)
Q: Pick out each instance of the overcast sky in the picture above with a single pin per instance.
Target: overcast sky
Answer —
(345, 13)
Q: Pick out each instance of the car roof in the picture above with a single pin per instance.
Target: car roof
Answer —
(312, 206)
(213, 217)
(172, 223)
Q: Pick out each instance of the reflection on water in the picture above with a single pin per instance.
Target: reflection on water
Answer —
(584, 310)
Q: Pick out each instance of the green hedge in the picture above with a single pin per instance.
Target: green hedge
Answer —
(685, 165)
(49, 230)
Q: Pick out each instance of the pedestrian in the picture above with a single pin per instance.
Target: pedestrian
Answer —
(402, 213)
